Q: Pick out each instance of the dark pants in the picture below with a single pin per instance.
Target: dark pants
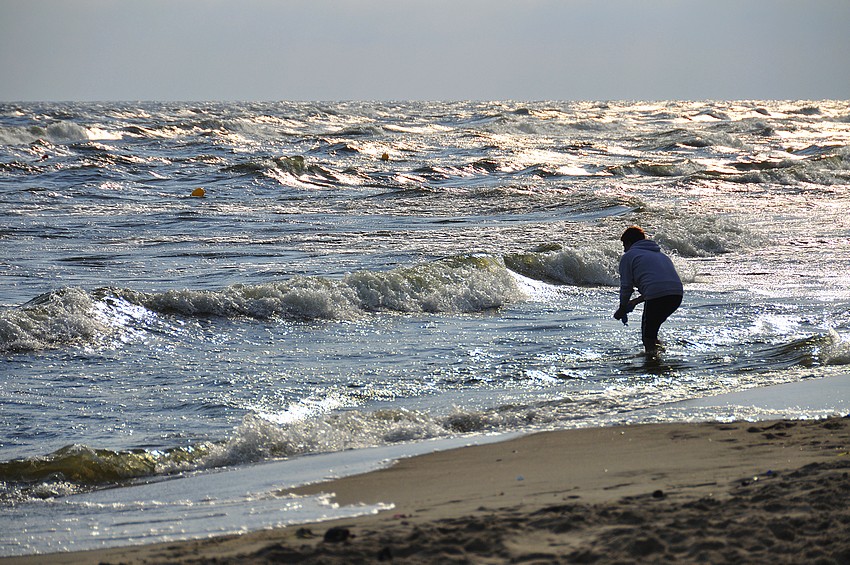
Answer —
(655, 312)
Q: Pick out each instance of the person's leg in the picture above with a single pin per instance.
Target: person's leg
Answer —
(655, 312)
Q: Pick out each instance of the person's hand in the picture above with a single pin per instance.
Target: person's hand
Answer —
(622, 316)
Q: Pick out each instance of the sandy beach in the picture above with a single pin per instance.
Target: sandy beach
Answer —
(742, 492)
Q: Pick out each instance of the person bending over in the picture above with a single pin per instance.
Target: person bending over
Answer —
(645, 267)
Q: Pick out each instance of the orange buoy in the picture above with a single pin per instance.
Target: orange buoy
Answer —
(199, 192)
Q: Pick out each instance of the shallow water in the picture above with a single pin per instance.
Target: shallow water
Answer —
(364, 275)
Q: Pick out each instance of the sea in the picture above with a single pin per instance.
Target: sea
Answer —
(204, 304)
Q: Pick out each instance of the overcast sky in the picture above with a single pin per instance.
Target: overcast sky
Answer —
(424, 50)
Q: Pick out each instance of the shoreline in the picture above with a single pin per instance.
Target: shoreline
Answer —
(768, 491)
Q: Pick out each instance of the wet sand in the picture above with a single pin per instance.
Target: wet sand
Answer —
(743, 492)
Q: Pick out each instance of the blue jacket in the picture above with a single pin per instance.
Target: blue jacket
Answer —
(644, 266)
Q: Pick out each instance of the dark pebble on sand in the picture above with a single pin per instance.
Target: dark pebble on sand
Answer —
(337, 535)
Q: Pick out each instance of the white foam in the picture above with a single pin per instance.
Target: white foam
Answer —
(591, 265)
(455, 285)
(55, 318)
(836, 351)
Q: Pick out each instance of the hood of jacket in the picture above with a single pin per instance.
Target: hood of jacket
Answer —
(645, 245)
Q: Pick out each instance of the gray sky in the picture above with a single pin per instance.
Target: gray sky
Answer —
(424, 49)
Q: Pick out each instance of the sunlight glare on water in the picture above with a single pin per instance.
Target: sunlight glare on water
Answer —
(360, 275)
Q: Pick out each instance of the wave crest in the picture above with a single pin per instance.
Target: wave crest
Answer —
(58, 132)
(258, 437)
(71, 316)
(460, 284)
(60, 317)
(587, 266)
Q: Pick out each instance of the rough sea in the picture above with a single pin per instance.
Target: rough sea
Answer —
(361, 281)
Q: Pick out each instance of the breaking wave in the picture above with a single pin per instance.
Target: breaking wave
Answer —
(78, 468)
(460, 284)
(74, 316)
(58, 132)
(317, 426)
(62, 317)
(555, 265)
